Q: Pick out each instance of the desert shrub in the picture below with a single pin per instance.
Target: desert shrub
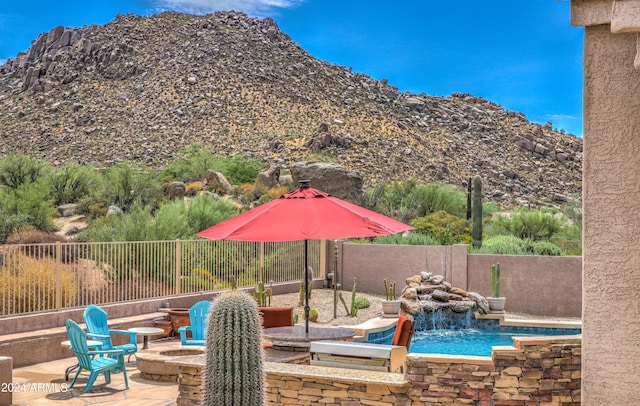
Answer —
(17, 170)
(124, 184)
(32, 200)
(408, 200)
(525, 223)
(191, 168)
(71, 183)
(410, 238)
(569, 239)
(505, 245)
(205, 211)
(35, 237)
(11, 223)
(443, 227)
(247, 194)
(194, 166)
(47, 247)
(173, 220)
(272, 194)
(239, 169)
(546, 248)
(193, 188)
(29, 285)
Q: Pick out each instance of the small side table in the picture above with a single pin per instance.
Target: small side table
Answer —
(147, 332)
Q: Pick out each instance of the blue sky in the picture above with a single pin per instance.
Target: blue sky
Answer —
(523, 55)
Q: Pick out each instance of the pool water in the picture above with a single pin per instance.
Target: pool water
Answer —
(472, 341)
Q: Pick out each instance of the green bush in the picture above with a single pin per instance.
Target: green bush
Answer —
(173, 220)
(124, 184)
(193, 167)
(11, 223)
(443, 228)
(525, 223)
(505, 245)
(569, 239)
(408, 200)
(32, 201)
(546, 248)
(17, 170)
(237, 169)
(72, 182)
(411, 238)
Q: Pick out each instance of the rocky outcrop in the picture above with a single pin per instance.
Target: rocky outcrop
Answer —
(330, 178)
(142, 89)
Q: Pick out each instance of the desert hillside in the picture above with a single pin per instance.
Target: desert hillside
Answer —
(143, 88)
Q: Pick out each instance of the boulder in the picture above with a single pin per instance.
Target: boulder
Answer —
(216, 182)
(176, 190)
(268, 179)
(440, 295)
(458, 291)
(481, 303)
(330, 178)
(66, 210)
(413, 279)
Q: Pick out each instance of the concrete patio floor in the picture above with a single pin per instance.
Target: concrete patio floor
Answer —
(44, 384)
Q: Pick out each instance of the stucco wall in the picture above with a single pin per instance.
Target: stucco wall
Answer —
(611, 199)
(538, 285)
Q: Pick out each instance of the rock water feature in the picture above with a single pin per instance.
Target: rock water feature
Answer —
(435, 304)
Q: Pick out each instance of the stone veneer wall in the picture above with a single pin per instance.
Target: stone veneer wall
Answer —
(542, 371)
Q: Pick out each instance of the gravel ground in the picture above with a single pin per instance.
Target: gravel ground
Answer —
(322, 300)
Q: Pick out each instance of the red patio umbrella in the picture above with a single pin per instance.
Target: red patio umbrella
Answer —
(304, 214)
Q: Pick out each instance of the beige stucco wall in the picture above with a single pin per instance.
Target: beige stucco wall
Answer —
(611, 198)
(538, 285)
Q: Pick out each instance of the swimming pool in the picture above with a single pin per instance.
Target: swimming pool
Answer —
(474, 341)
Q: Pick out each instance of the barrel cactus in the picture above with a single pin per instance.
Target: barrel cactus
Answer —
(234, 368)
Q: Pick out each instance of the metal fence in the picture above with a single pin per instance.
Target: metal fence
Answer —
(44, 277)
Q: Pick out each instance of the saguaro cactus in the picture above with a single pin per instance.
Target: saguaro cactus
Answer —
(469, 183)
(234, 372)
(476, 215)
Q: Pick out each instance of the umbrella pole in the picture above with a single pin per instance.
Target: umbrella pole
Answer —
(306, 289)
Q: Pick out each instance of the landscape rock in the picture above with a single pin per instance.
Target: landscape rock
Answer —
(269, 179)
(176, 190)
(330, 178)
(67, 210)
(217, 182)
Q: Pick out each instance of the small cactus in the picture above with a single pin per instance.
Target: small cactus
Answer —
(390, 290)
(495, 280)
(313, 314)
(262, 295)
(234, 366)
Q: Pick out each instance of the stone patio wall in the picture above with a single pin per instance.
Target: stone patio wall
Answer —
(543, 371)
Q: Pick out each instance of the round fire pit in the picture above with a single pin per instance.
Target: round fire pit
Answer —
(153, 366)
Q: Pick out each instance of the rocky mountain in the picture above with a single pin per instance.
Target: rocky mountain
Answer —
(143, 88)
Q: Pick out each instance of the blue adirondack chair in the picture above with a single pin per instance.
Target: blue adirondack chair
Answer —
(198, 314)
(96, 362)
(96, 320)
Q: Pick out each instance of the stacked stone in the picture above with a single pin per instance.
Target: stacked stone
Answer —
(544, 371)
(190, 385)
(536, 372)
